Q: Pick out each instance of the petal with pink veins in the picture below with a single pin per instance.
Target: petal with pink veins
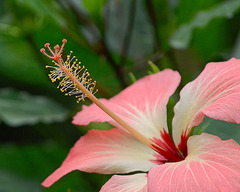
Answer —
(211, 165)
(126, 183)
(214, 93)
(106, 152)
(142, 105)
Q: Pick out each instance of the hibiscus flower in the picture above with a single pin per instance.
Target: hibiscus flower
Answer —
(145, 157)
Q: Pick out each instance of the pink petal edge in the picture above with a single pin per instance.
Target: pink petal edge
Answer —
(214, 93)
(212, 165)
(126, 183)
(105, 152)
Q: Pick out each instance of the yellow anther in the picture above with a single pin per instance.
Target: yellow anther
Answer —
(69, 72)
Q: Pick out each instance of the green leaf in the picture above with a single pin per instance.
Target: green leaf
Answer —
(93, 6)
(236, 48)
(9, 182)
(222, 129)
(40, 9)
(18, 63)
(225, 130)
(183, 35)
(153, 68)
(132, 77)
(6, 29)
(201, 128)
(20, 108)
(170, 113)
(95, 9)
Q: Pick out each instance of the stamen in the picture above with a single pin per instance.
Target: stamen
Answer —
(75, 80)
(76, 71)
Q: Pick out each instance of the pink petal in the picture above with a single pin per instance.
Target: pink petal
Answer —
(107, 152)
(214, 93)
(211, 165)
(142, 105)
(126, 183)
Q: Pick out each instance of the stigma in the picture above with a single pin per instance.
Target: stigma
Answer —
(69, 73)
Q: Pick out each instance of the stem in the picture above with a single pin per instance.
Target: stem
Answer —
(117, 68)
(153, 18)
(129, 31)
(124, 124)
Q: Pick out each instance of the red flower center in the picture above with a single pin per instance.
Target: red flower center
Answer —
(166, 148)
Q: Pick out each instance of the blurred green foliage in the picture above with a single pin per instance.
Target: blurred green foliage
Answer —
(113, 39)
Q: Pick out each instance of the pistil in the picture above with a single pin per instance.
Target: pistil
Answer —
(86, 91)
